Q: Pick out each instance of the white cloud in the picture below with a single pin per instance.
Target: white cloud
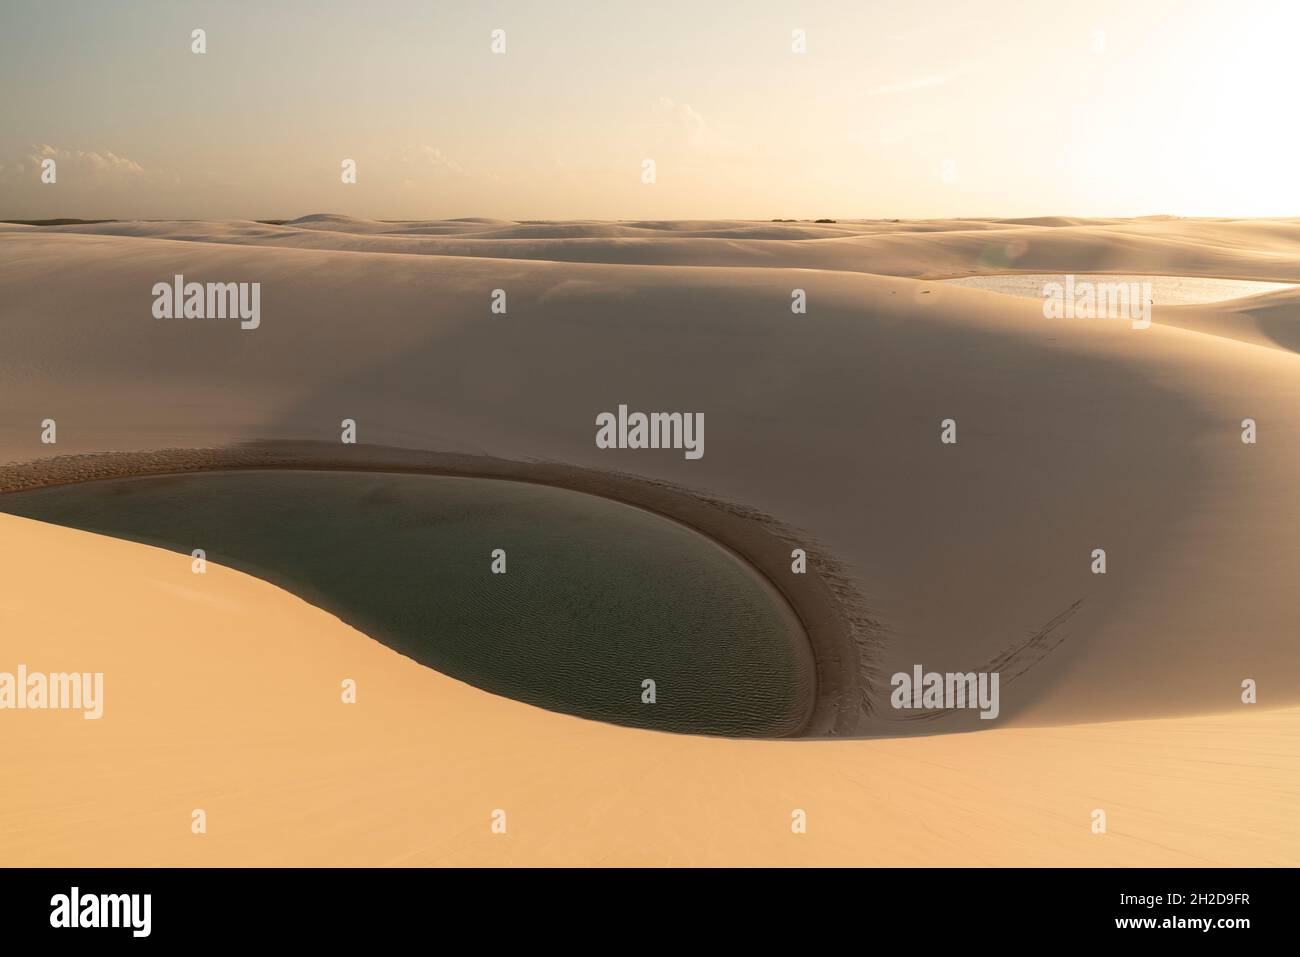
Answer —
(73, 165)
(683, 114)
(682, 124)
(916, 83)
(429, 157)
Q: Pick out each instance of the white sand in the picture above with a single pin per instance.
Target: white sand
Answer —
(222, 693)
(1072, 436)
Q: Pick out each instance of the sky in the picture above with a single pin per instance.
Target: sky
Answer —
(950, 108)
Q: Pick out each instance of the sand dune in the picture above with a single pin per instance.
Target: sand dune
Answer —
(927, 249)
(1271, 320)
(1072, 435)
(225, 698)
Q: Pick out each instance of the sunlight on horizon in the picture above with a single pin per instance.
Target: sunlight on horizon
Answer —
(1006, 110)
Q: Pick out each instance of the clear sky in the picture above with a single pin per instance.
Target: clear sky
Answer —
(896, 109)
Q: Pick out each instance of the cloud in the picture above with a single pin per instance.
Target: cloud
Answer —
(683, 114)
(916, 83)
(72, 165)
(430, 158)
(682, 124)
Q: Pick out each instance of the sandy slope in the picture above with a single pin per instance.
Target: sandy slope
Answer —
(1072, 435)
(224, 696)
(1271, 320)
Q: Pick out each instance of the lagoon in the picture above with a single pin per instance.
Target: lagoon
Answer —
(598, 596)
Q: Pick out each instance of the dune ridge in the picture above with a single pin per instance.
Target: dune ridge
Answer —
(1267, 249)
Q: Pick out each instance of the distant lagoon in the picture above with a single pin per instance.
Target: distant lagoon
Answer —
(1165, 290)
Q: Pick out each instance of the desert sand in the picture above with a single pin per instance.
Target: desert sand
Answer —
(224, 696)
(1121, 691)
